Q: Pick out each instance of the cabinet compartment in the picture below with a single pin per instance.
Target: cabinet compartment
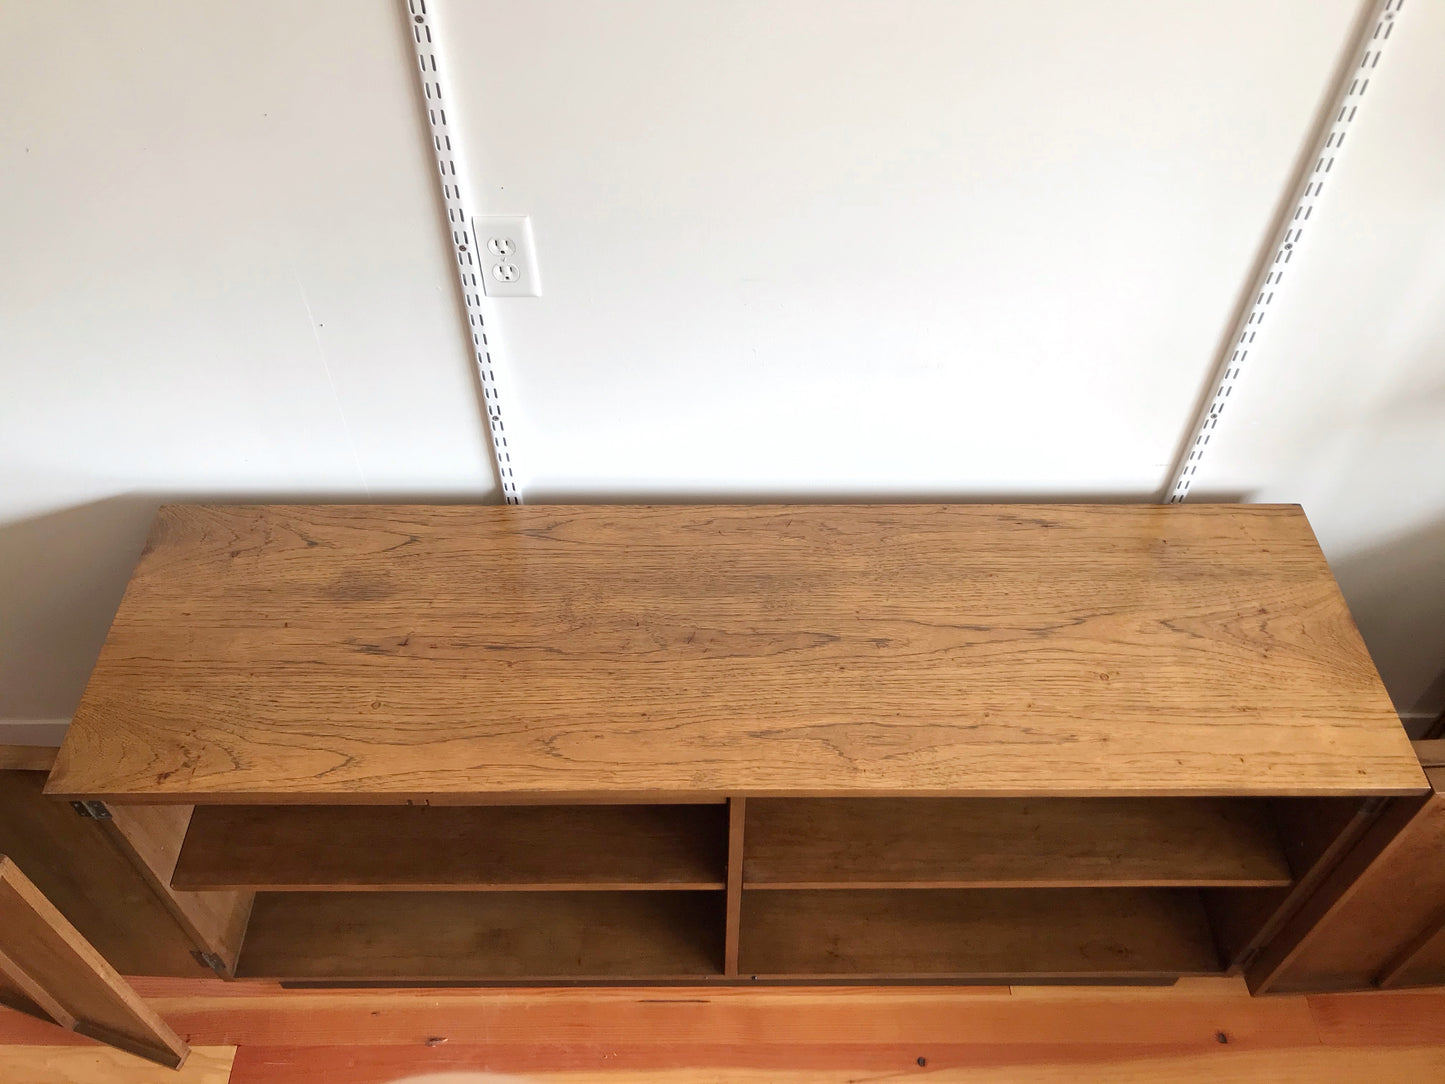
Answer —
(441, 848)
(1004, 934)
(811, 843)
(479, 936)
(821, 888)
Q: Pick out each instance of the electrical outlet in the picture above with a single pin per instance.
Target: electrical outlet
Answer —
(507, 256)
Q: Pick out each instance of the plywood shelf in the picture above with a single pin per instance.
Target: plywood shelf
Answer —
(470, 936)
(439, 848)
(977, 933)
(819, 843)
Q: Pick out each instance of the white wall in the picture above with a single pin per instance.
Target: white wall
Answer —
(934, 248)
(940, 247)
(224, 272)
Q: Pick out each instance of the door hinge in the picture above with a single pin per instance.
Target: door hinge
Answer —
(93, 810)
(211, 960)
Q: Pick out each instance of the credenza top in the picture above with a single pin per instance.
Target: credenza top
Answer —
(388, 653)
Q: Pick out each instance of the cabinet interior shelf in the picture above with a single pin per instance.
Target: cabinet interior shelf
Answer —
(947, 888)
(1075, 933)
(1010, 843)
(790, 843)
(453, 936)
(454, 848)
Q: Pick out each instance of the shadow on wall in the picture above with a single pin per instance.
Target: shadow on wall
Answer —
(62, 576)
(1396, 591)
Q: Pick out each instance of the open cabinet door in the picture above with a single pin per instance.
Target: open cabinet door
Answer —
(48, 970)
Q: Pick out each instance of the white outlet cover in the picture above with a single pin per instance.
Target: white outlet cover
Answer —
(507, 255)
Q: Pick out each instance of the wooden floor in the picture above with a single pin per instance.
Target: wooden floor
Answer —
(1200, 1030)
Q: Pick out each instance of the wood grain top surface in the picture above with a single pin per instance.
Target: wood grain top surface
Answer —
(391, 653)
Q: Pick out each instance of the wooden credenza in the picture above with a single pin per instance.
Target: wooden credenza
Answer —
(739, 743)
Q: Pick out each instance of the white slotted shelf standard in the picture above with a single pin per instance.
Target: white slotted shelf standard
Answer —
(1348, 97)
(452, 175)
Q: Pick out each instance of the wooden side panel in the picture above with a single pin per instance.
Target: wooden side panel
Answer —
(1422, 963)
(46, 958)
(19, 991)
(998, 933)
(1315, 834)
(1431, 751)
(354, 848)
(27, 758)
(737, 825)
(1384, 894)
(77, 864)
(151, 836)
(1011, 842)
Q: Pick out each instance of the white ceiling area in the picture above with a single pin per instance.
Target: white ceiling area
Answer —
(934, 249)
